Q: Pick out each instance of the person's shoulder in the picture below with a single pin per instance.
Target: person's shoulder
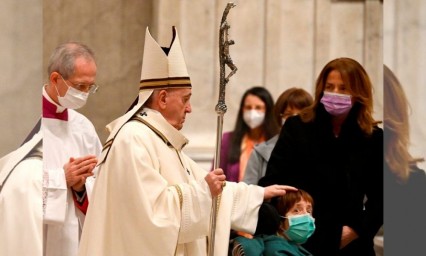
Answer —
(376, 136)
(295, 127)
(137, 132)
(264, 149)
(415, 189)
(134, 128)
(296, 122)
(276, 243)
(76, 117)
(417, 175)
(266, 144)
(275, 239)
(377, 131)
(79, 120)
(272, 141)
(294, 119)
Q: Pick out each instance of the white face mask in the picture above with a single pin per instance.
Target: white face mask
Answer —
(253, 118)
(73, 98)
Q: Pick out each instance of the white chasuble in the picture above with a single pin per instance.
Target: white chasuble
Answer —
(151, 199)
(21, 218)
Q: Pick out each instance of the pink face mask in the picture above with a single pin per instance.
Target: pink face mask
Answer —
(336, 104)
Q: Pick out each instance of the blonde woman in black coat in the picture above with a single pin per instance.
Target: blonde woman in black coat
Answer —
(405, 183)
(334, 151)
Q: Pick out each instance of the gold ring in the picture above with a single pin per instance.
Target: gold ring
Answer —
(223, 184)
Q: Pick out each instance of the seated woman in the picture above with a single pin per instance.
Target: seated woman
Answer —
(296, 226)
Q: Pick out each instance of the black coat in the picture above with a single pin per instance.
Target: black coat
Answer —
(405, 212)
(339, 173)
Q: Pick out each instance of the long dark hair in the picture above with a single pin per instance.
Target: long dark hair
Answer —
(269, 126)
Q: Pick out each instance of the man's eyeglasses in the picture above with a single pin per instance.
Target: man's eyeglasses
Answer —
(92, 88)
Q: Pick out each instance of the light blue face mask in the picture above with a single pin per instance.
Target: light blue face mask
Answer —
(300, 227)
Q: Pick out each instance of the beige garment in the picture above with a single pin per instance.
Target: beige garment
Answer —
(151, 199)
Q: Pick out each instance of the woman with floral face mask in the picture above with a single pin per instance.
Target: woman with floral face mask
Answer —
(296, 226)
(334, 150)
(255, 123)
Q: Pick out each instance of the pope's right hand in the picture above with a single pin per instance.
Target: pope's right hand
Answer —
(216, 180)
(277, 190)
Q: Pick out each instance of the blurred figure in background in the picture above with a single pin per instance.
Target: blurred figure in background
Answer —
(255, 124)
(289, 103)
(21, 212)
(405, 183)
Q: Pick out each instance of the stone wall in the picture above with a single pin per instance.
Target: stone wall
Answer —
(405, 54)
(21, 44)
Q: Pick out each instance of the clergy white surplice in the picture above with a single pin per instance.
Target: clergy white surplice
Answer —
(63, 139)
